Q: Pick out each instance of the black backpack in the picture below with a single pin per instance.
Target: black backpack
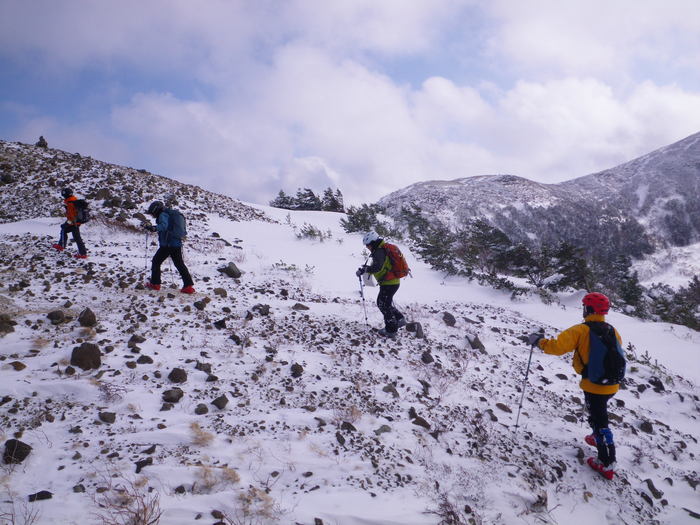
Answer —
(606, 359)
(82, 209)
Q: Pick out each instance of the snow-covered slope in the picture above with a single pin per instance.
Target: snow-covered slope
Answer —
(635, 208)
(325, 422)
(31, 179)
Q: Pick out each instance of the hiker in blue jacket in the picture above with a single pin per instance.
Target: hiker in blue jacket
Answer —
(170, 225)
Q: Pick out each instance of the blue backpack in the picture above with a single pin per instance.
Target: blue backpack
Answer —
(606, 359)
(176, 224)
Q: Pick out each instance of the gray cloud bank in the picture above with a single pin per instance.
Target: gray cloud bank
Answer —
(252, 97)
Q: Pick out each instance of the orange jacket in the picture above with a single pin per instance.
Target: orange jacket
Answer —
(71, 211)
(577, 339)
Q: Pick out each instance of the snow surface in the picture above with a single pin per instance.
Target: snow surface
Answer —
(281, 435)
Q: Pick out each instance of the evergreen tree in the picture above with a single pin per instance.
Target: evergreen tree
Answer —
(572, 267)
(632, 292)
(332, 201)
(283, 201)
(306, 199)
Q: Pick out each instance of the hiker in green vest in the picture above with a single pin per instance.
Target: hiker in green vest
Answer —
(388, 275)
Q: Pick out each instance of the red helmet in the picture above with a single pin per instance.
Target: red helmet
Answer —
(597, 302)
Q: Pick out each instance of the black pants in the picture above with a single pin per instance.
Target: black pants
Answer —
(386, 306)
(597, 406)
(176, 255)
(75, 230)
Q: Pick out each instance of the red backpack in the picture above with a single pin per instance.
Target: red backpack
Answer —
(399, 266)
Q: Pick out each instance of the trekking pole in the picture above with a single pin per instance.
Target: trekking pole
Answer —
(527, 373)
(145, 256)
(364, 304)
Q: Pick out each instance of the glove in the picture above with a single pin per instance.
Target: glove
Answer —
(534, 338)
(150, 227)
(360, 271)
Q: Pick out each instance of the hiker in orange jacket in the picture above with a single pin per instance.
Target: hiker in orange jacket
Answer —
(71, 225)
(577, 339)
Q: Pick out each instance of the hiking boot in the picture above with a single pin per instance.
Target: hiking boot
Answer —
(80, 256)
(384, 333)
(400, 323)
(187, 289)
(597, 465)
(590, 439)
(152, 286)
(58, 247)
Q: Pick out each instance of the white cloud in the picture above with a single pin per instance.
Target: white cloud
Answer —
(300, 93)
(596, 37)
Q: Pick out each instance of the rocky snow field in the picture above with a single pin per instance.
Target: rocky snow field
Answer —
(266, 399)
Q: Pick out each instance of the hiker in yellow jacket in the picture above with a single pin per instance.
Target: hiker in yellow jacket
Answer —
(577, 339)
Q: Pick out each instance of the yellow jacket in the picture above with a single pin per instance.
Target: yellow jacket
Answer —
(577, 339)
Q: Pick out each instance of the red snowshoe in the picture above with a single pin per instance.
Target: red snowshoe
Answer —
(607, 472)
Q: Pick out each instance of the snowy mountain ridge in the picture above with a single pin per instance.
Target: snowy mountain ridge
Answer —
(638, 207)
(266, 399)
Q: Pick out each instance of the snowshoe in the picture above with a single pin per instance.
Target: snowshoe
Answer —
(151, 286)
(590, 439)
(80, 256)
(186, 289)
(57, 247)
(607, 472)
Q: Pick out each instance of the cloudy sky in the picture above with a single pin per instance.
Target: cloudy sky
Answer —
(249, 97)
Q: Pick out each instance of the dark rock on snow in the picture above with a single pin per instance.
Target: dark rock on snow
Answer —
(86, 356)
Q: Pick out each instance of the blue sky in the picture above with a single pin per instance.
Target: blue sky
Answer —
(369, 96)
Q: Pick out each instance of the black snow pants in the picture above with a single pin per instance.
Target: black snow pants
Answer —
(597, 406)
(385, 303)
(75, 230)
(176, 255)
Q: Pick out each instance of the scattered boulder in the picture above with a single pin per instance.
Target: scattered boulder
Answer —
(300, 307)
(173, 395)
(221, 292)
(297, 370)
(449, 319)
(201, 409)
(347, 427)
(135, 340)
(18, 366)
(647, 427)
(231, 270)
(427, 357)
(220, 402)
(16, 451)
(143, 463)
(7, 324)
(86, 356)
(41, 495)
(382, 430)
(391, 389)
(421, 422)
(56, 317)
(87, 318)
(504, 407)
(657, 384)
(416, 328)
(177, 375)
(107, 417)
(262, 309)
(203, 367)
(476, 343)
